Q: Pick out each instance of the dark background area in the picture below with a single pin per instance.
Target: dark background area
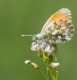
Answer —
(28, 16)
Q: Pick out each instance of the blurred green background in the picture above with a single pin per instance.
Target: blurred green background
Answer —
(28, 16)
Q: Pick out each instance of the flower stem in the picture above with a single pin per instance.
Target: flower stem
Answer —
(43, 74)
(48, 74)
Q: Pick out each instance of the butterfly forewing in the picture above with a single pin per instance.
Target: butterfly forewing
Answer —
(59, 27)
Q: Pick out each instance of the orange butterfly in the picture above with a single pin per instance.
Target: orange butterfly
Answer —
(58, 28)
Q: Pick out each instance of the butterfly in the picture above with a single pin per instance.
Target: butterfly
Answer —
(58, 28)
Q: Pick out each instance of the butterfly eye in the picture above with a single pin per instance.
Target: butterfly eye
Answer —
(35, 38)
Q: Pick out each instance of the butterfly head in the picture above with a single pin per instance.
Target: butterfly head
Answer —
(38, 38)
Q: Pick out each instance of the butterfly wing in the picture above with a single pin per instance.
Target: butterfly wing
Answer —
(58, 27)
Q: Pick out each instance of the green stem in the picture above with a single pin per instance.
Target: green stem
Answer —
(48, 74)
(43, 74)
(52, 73)
(56, 75)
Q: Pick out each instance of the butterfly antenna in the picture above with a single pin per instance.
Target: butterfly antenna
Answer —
(26, 35)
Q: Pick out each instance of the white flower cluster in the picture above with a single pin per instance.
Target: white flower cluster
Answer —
(54, 64)
(43, 46)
